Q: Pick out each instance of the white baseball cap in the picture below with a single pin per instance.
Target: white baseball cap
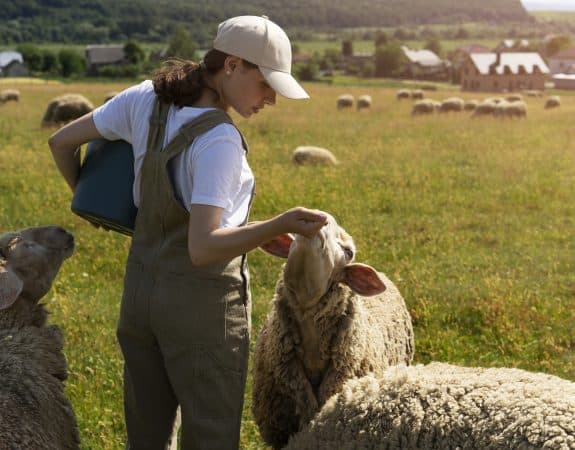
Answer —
(260, 41)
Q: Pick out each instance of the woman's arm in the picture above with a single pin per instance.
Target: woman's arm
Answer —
(209, 244)
(65, 146)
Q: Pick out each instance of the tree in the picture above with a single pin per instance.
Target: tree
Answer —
(435, 46)
(50, 62)
(71, 62)
(32, 56)
(389, 60)
(556, 44)
(381, 38)
(181, 45)
(347, 48)
(134, 53)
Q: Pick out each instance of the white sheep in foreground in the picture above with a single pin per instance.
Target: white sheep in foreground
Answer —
(66, 108)
(331, 319)
(403, 94)
(485, 108)
(452, 104)
(312, 155)
(423, 107)
(344, 101)
(8, 95)
(470, 105)
(553, 102)
(364, 102)
(441, 406)
(35, 411)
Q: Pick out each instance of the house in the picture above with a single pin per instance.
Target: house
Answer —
(496, 72)
(564, 81)
(424, 64)
(562, 62)
(459, 56)
(12, 64)
(98, 56)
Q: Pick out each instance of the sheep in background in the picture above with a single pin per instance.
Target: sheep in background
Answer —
(533, 93)
(403, 94)
(9, 95)
(363, 102)
(470, 105)
(553, 102)
(344, 101)
(422, 107)
(35, 411)
(66, 108)
(514, 98)
(311, 155)
(330, 320)
(485, 108)
(451, 104)
(515, 109)
(440, 406)
(417, 94)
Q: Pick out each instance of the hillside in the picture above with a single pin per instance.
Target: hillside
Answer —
(84, 21)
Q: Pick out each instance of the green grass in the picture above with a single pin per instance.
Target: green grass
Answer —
(474, 220)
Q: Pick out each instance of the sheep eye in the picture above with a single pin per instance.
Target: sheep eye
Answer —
(348, 252)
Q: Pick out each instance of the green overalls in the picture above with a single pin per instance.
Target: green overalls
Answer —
(183, 330)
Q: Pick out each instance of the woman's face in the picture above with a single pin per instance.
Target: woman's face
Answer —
(245, 89)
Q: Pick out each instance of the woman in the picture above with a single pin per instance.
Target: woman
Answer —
(184, 319)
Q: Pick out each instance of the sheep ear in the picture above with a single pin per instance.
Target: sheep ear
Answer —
(363, 279)
(10, 287)
(278, 246)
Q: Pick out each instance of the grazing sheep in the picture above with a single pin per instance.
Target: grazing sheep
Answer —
(330, 320)
(515, 109)
(311, 155)
(363, 102)
(417, 94)
(35, 411)
(514, 98)
(422, 107)
(553, 102)
(441, 406)
(345, 101)
(470, 105)
(9, 95)
(451, 104)
(485, 108)
(533, 93)
(66, 108)
(403, 93)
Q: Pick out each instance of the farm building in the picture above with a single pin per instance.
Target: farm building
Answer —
(562, 62)
(12, 64)
(98, 56)
(564, 81)
(424, 64)
(459, 56)
(495, 72)
(512, 45)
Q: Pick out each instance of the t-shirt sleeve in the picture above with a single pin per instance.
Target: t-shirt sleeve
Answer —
(114, 119)
(216, 171)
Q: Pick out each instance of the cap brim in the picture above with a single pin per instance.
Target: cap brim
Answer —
(284, 84)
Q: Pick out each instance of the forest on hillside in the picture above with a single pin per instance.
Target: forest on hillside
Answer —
(88, 21)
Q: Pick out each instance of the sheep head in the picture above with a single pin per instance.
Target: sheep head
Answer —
(315, 264)
(30, 260)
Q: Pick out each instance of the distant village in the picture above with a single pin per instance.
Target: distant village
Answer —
(510, 66)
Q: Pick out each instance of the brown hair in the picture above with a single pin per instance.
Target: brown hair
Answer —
(181, 82)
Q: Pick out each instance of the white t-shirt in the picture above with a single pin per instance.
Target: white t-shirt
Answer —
(212, 171)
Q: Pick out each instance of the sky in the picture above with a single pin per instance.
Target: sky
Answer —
(549, 5)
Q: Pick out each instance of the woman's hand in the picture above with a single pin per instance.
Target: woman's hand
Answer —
(306, 222)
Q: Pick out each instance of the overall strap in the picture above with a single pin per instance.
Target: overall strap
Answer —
(157, 125)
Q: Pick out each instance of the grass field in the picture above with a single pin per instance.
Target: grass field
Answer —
(474, 221)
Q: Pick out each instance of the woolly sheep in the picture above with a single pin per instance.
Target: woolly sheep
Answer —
(363, 102)
(9, 95)
(485, 108)
(417, 94)
(35, 411)
(533, 93)
(311, 155)
(422, 107)
(345, 101)
(440, 406)
(403, 93)
(66, 108)
(451, 104)
(470, 105)
(553, 102)
(331, 319)
(514, 98)
(515, 109)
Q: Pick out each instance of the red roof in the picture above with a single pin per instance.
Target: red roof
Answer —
(565, 54)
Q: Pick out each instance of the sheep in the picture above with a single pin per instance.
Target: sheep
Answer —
(485, 108)
(345, 101)
(35, 411)
(9, 95)
(66, 108)
(422, 107)
(514, 98)
(442, 406)
(330, 320)
(553, 102)
(363, 102)
(403, 93)
(470, 105)
(417, 94)
(311, 155)
(533, 93)
(515, 109)
(451, 104)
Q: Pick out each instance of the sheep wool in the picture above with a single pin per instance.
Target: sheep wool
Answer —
(441, 406)
(314, 339)
(344, 101)
(312, 155)
(66, 108)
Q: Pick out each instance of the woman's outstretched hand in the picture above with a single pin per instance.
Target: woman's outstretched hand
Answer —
(306, 222)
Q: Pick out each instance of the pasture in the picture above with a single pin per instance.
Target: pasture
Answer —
(473, 220)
